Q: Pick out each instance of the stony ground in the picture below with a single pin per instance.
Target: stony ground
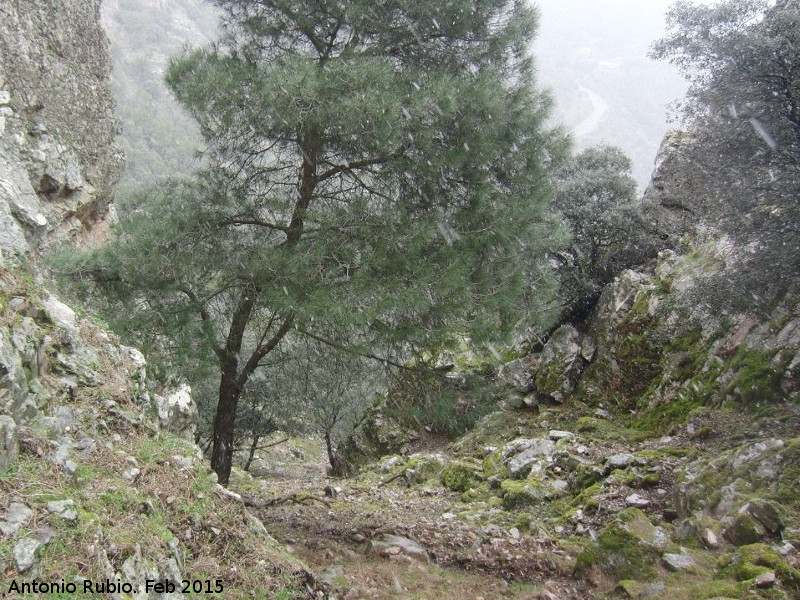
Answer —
(487, 539)
(331, 525)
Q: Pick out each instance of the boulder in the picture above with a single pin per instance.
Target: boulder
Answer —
(679, 562)
(9, 443)
(744, 530)
(629, 547)
(177, 412)
(389, 545)
(519, 374)
(561, 364)
(524, 456)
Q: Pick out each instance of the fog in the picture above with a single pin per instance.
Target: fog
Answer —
(592, 54)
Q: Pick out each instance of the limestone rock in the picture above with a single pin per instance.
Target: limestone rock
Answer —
(523, 456)
(629, 547)
(561, 364)
(60, 314)
(9, 444)
(619, 461)
(766, 514)
(13, 383)
(177, 412)
(744, 530)
(16, 516)
(710, 539)
(637, 501)
(64, 509)
(679, 562)
(392, 545)
(519, 374)
(52, 144)
(766, 581)
(24, 553)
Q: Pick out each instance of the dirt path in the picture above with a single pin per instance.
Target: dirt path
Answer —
(334, 536)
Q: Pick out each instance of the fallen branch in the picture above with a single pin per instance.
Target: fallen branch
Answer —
(295, 498)
(271, 444)
(392, 478)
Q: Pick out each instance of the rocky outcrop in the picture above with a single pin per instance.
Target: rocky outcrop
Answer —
(177, 412)
(93, 479)
(675, 203)
(59, 162)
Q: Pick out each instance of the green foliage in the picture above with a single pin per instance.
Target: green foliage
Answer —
(428, 401)
(742, 61)
(459, 476)
(620, 551)
(376, 182)
(757, 379)
(597, 196)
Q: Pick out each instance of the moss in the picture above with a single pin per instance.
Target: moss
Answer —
(527, 492)
(750, 561)
(666, 414)
(619, 552)
(715, 589)
(476, 494)
(587, 424)
(493, 465)
(587, 499)
(656, 455)
(549, 378)
(757, 379)
(587, 475)
(459, 476)
(788, 485)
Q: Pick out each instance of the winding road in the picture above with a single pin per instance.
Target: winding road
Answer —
(590, 123)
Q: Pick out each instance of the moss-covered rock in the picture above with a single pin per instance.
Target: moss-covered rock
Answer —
(628, 548)
(744, 530)
(517, 494)
(493, 465)
(752, 560)
(460, 476)
(562, 364)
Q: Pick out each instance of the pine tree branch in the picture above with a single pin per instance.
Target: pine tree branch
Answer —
(263, 349)
(382, 359)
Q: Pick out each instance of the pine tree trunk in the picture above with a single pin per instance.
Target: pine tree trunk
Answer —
(224, 421)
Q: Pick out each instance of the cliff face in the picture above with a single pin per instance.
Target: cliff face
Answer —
(59, 161)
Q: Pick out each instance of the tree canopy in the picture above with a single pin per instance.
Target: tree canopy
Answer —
(596, 193)
(742, 59)
(378, 180)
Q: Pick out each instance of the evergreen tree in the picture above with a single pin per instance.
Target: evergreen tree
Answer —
(596, 193)
(742, 59)
(378, 180)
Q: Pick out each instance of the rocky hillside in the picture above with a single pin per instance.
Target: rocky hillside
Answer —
(650, 452)
(59, 162)
(102, 484)
(653, 455)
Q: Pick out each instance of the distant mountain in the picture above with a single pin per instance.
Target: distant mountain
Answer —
(592, 55)
(159, 138)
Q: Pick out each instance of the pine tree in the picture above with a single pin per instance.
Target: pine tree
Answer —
(378, 181)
